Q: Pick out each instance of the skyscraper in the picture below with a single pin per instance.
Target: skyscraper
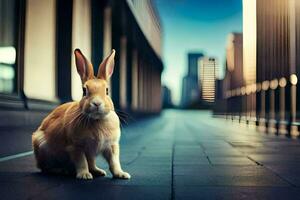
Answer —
(193, 63)
(190, 88)
(234, 59)
(207, 75)
(234, 80)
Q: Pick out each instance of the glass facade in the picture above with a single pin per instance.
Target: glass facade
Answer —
(8, 34)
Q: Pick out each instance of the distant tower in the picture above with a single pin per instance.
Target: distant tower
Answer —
(193, 63)
(234, 59)
(190, 87)
(207, 75)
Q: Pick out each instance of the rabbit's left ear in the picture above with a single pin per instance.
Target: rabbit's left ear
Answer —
(84, 67)
(106, 68)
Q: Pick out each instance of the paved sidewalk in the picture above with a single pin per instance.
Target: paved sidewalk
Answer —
(178, 155)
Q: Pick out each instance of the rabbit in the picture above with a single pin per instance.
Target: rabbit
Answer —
(73, 134)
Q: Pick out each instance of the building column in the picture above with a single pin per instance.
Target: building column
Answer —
(140, 84)
(282, 128)
(98, 21)
(123, 72)
(262, 111)
(129, 74)
(135, 80)
(116, 44)
(293, 126)
(272, 113)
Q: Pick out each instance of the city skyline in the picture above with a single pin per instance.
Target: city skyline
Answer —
(189, 26)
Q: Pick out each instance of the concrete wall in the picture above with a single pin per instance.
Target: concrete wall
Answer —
(81, 38)
(39, 56)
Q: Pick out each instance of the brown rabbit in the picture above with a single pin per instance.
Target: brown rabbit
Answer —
(73, 134)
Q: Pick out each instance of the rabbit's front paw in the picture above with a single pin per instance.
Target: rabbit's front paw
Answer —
(122, 175)
(84, 175)
(98, 172)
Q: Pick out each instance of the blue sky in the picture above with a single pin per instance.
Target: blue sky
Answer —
(195, 26)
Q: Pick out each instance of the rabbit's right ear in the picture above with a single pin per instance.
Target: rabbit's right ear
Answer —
(106, 68)
(84, 67)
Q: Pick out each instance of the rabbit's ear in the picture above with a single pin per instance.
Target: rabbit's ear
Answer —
(106, 68)
(84, 67)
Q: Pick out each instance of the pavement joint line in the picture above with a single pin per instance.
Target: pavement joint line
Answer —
(136, 157)
(209, 160)
(19, 155)
(172, 174)
(258, 163)
(279, 176)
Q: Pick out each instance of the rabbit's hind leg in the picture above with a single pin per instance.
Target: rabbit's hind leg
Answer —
(48, 161)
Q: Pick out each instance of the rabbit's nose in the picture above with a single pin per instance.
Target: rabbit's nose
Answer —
(96, 103)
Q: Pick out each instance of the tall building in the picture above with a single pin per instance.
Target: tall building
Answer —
(190, 93)
(234, 80)
(166, 97)
(234, 59)
(193, 59)
(208, 67)
(190, 88)
(220, 106)
(37, 67)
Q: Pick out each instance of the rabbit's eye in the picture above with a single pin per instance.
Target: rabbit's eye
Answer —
(84, 91)
(106, 91)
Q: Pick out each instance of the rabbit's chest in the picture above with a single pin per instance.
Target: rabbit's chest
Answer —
(100, 136)
(105, 140)
(101, 140)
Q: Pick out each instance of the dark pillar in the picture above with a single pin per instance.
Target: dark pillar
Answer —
(97, 9)
(64, 49)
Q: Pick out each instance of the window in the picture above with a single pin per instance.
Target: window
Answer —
(8, 43)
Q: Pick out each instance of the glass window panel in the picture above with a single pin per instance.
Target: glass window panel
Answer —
(8, 17)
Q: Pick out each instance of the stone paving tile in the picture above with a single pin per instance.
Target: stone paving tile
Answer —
(223, 153)
(29, 184)
(191, 160)
(288, 172)
(230, 160)
(224, 180)
(232, 193)
(183, 154)
(24, 164)
(225, 176)
(276, 159)
(9, 146)
(98, 191)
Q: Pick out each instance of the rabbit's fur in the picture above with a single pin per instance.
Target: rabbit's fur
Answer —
(71, 136)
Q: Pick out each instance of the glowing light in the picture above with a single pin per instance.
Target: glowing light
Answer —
(258, 87)
(248, 89)
(7, 55)
(274, 84)
(6, 72)
(282, 82)
(243, 90)
(293, 79)
(265, 85)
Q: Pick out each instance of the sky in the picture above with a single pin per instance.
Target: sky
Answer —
(195, 26)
